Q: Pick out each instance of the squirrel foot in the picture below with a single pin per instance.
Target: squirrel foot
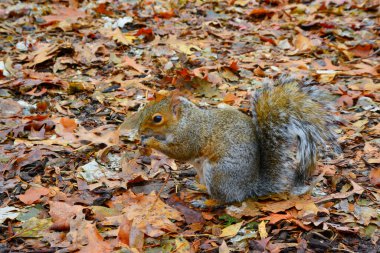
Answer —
(195, 186)
(206, 204)
(301, 190)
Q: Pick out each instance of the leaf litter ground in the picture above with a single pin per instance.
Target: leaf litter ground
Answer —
(71, 71)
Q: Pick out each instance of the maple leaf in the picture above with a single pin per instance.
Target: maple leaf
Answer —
(149, 214)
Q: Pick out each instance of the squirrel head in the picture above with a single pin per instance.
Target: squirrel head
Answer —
(158, 118)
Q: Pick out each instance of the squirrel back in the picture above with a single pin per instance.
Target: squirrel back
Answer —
(237, 156)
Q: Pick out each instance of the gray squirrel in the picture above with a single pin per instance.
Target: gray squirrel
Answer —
(238, 156)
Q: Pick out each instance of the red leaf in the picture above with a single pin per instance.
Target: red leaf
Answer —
(144, 31)
(267, 39)
(234, 66)
(102, 9)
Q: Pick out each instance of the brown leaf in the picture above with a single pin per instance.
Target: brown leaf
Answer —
(132, 63)
(61, 214)
(96, 243)
(85, 237)
(374, 177)
(302, 43)
(132, 171)
(345, 101)
(149, 214)
(9, 108)
(33, 195)
(102, 9)
(191, 216)
(62, 13)
(362, 51)
(130, 235)
(357, 189)
(248, 208)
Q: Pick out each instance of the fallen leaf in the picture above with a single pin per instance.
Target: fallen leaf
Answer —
(148, 213)
(223, 248)
(302, 43)
(362, 51)
(62, 13)
(130, 235)
(357, 189)
(132, 63)
(231, 230)
(34, 228)
(61, 213)
(8, 212)
(248, 208)
(33, 195)
(262, 230)
(9, 108)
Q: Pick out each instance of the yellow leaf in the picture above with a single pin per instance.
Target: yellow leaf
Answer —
(262, 230)
(224, 248)
(231, 230)
(182, 46)
(182, 245)
(118, 36)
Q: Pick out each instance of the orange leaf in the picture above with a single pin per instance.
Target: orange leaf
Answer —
(374, 177)
(260, 12)
(69, 124)
(165, 15)
(124, 231)
(302, 43)
(229, 98)
(32, 195)
(234, 66)
(274, 217)
(362, 51)
(96, 243)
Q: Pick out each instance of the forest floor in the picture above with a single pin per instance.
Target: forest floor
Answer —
(72, 71)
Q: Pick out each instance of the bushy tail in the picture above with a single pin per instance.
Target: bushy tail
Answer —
(294, 125)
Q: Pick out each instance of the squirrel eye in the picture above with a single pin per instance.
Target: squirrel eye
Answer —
(157, 118)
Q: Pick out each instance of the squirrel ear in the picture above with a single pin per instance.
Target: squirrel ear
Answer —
(175, 103)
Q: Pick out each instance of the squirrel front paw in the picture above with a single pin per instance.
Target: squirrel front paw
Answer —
(195, 186)
(206, 204)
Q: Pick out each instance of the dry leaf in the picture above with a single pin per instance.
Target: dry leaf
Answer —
(33, 195)
(262, 230)
(231, 230)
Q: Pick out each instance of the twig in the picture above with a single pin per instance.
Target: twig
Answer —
(159, 193)
(19, 233)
